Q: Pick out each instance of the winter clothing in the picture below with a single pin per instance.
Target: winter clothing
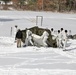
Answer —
(53, 35)
(18, 38)
(28, 40)
(58, 39)
(64, 40)
(62, 34)
(19, 34)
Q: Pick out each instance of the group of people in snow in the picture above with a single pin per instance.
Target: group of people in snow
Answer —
(37, 40)
(61, 38)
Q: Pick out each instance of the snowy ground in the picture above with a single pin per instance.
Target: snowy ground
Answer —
(27, 19)
(34, 60)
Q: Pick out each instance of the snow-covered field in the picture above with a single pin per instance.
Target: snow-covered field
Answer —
(27, 19)
(35, 60)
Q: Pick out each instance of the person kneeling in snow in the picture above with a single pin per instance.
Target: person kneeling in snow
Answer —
(18, 38)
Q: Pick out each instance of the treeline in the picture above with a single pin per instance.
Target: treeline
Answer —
(46, 5)
(60, 5)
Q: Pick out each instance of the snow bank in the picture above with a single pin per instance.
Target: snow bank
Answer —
(36, 72)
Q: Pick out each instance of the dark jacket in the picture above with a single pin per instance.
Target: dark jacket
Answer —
(19, 35)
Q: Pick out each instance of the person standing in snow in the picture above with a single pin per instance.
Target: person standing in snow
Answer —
(65, 38)
(28, 40)
(62, 35)
(45, 37)
(58, 39)
(53, 34)
(18, 38)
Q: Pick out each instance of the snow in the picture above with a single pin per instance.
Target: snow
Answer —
(27, 19)
(33, 60)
